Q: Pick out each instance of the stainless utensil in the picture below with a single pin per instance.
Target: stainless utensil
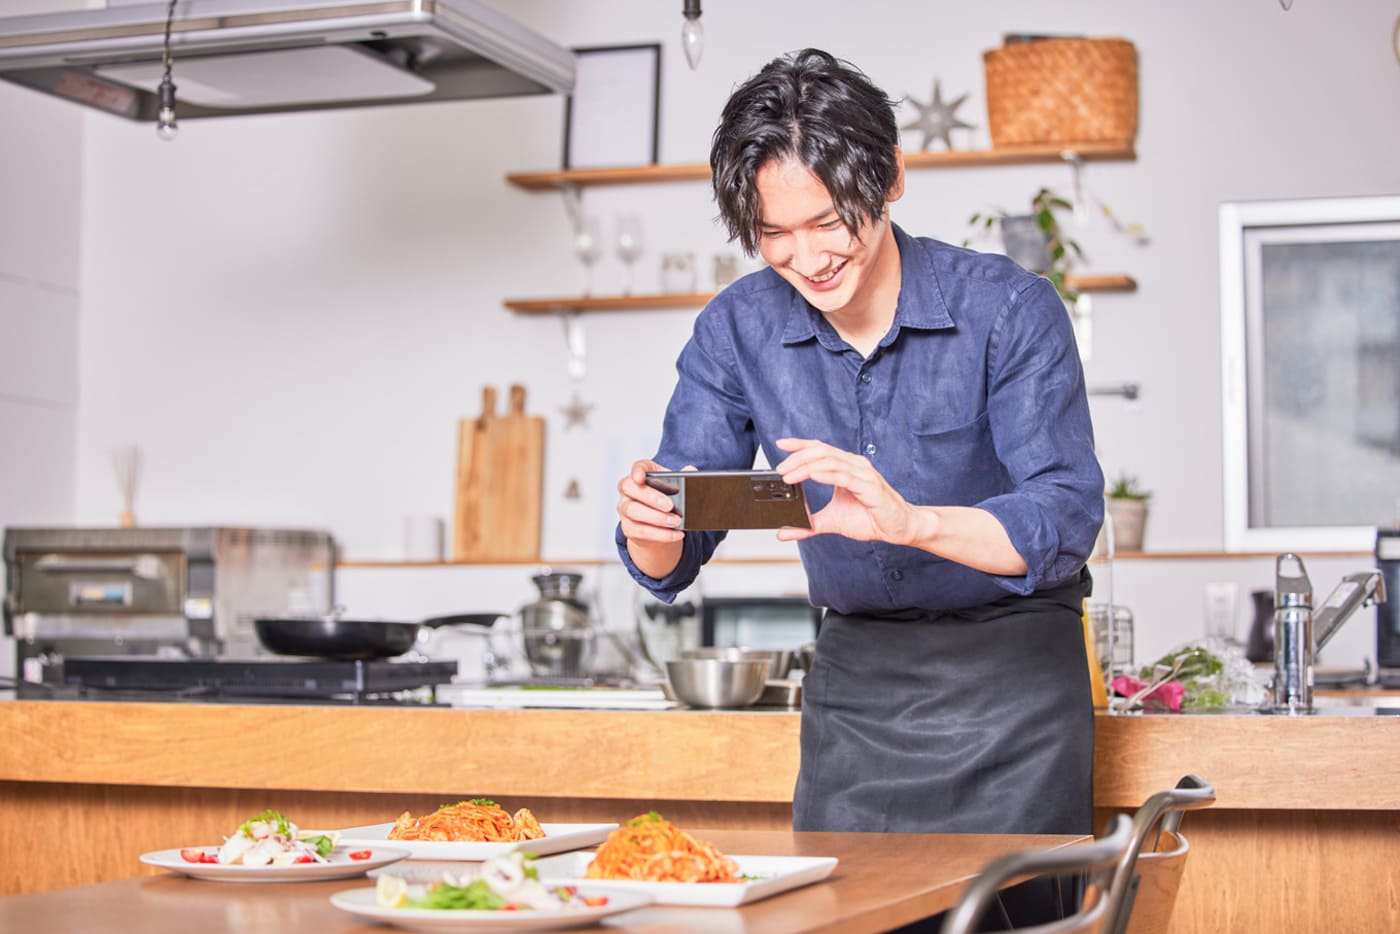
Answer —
(718, 682)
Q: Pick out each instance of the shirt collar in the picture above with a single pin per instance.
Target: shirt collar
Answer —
(921, 305)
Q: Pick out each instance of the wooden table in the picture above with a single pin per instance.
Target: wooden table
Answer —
(882, 881)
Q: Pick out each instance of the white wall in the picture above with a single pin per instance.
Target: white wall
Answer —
(40, 289)
(288, 314)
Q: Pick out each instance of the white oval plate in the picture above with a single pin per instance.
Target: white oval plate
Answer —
(363, 902)
(341, 866)
(557, 839)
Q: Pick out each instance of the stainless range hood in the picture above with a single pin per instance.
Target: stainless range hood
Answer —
(268, 56)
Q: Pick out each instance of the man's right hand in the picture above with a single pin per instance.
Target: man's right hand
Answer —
(649, 522)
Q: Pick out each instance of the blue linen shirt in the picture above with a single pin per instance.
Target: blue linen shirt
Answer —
(975, 397)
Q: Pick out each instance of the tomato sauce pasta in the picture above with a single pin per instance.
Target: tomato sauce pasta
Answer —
(476, 821)
(650, 848)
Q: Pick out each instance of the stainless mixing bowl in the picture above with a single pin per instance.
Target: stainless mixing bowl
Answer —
(718, 682)
(779, 660)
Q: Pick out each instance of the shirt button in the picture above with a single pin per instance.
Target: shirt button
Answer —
(897, 574)
(870, 450)
(865, 377)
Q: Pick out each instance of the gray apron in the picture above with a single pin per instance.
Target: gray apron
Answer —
(961, 721)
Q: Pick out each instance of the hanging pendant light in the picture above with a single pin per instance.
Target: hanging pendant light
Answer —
(692, 33)
(166, 127)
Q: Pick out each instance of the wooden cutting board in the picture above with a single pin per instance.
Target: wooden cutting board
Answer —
(500, 482)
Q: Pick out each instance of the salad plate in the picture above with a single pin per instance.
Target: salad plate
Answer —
(557, 839)
(363, 902)
(340, 865)
(765, 876)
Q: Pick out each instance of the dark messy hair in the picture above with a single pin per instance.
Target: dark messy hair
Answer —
(819, 110)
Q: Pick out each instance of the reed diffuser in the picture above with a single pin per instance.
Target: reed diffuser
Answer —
(126, 462)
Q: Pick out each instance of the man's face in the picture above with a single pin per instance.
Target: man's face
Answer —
(803, 239)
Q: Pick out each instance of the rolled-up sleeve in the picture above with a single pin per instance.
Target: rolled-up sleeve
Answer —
(1043, 436)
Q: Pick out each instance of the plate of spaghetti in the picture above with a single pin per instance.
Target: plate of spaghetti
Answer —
(652, 856)
(476, 829)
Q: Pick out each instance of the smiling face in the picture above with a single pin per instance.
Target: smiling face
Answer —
(851, 277)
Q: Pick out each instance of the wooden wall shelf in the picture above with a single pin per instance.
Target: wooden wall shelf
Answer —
(1102, 283)
(660, 301)
(941, 159)
(655, 302)
(592, 562)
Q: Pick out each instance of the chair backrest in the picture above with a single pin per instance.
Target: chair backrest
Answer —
(1097, 861)
(1158, 878)
(1149, 872)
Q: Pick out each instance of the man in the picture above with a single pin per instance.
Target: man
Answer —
(931, 401)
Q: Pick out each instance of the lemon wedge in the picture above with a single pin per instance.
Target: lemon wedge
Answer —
(390, 892)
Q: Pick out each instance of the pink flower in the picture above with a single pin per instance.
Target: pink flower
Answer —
(1165, 696)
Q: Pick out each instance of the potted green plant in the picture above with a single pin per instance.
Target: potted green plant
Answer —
(1039, 243)
(1126, 504)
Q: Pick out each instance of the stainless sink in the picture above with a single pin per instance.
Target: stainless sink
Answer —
(1379, 702)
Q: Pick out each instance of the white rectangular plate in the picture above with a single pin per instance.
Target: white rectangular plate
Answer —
(575, 698)
(363, 902)
(770, 875)
(557, 839)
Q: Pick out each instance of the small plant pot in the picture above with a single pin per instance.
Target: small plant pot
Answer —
(1025, 242)
(1129, 518)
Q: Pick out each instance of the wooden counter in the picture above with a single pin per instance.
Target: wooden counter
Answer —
(1300, 800)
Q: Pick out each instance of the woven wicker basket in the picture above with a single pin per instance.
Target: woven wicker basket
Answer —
(1062, 91)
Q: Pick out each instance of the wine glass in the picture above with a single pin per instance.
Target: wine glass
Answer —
(629, 246)
(588, 247)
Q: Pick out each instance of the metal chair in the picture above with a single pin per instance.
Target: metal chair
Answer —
(1097, 862)
(1143, 892)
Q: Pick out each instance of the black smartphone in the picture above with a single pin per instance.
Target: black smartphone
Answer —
(719, 500)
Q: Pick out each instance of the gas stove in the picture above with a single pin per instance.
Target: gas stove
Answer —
(378, 681)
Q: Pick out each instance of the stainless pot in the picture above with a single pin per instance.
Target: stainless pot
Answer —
(557, 631)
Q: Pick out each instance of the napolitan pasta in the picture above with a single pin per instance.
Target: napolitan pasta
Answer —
(479, 820)
(650, 848)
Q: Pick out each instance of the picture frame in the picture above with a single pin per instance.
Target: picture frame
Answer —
(611, 119)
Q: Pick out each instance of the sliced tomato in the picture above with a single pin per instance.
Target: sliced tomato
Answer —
(305, 859)
(362, 854)
(507, 907)
(594, 901)
(192, 854)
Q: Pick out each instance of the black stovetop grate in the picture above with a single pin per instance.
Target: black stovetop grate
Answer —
(256, 677)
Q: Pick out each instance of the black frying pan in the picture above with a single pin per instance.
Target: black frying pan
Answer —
(339, 637)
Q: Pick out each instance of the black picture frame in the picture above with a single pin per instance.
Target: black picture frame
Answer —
(612, 117)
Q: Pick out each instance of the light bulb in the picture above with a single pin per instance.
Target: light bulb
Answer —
(693, 41)
(692, 33)
(166, 128)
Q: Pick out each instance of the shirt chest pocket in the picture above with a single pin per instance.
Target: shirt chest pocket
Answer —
(957, 463)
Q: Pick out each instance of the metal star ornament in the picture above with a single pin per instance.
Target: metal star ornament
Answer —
(937, 119)
(576, 412)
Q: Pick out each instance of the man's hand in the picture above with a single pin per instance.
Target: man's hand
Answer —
(648, 522)
(863, 505)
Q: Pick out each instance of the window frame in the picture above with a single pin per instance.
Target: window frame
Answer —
(1236, 220)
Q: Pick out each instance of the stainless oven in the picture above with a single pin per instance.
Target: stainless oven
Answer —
(1388, 612)
(759, 622)
(173, 592)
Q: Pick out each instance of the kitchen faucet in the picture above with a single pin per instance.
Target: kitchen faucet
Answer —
(1299, 633)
